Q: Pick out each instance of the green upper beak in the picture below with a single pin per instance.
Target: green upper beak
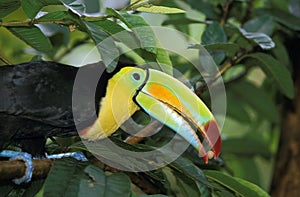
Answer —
(175, 105)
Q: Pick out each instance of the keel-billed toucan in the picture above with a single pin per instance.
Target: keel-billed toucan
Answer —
(37, 101)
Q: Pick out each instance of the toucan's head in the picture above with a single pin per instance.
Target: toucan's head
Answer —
(162, 97)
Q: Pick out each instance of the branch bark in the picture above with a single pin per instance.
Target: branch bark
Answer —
(286, 180)
(16, 169)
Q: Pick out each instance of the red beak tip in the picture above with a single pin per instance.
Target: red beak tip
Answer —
(217, 147)
(205, 158)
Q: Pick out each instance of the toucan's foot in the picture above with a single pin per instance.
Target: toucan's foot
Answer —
(26, 157)
(76, 155)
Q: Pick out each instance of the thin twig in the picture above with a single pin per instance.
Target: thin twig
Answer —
(248, 11)
(224, 68)
(150, 128)
(129, 7)
(225, 12)
(64, 21)
(32, 22)
(4, 60)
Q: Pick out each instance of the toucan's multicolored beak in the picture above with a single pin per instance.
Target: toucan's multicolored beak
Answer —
(171, 102)
(162, 97)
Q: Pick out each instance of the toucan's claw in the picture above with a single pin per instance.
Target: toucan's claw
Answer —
(27, 158)
(76, 155)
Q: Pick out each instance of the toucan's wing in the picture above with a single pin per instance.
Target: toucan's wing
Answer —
(39, 91)
(37, 101)
(43, 91)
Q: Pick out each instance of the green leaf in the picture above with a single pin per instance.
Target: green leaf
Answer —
(5, 190)
(256, 98)
(125, 159)
(8, 6)
(109, 26)
(118, 33)
(205, 7)
(238, 38)
(140, 27)
(97, 148)
(238, 164)
(147, 6)
(294, 7)
(287, 19)
(280, 52)
(76, 8)
(276, 71)
(154, 195)
(34, 38)
(122, 35)
(213, 34)
(222, 191)
(189, 169)
(31, 8)
(238, 112)
(159, 9)
(263, 24)
(235, 72)
(179, 184)
(253, 187)
(243, 188)
(230, 48)
(62, 15)
(186, 186)
(34, 188)
(64, 178)
(204, 191)
(134, 2)
(105, 45)
(129, 39)
(263, 40)
(179, 21)
(146, 38)
(164, 61)
(244, 147)
(99, 184)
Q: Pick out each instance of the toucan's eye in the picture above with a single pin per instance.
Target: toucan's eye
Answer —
(136, 76)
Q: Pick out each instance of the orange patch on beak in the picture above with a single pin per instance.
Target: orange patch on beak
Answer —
(163, 94)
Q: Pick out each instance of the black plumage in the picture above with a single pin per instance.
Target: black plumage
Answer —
(38, 100)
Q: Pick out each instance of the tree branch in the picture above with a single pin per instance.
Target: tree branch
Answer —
(225, 12)
(64, 21)
(16, 169)
(248, 11)
(150, 128)
(224, 68)
(32, 22)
